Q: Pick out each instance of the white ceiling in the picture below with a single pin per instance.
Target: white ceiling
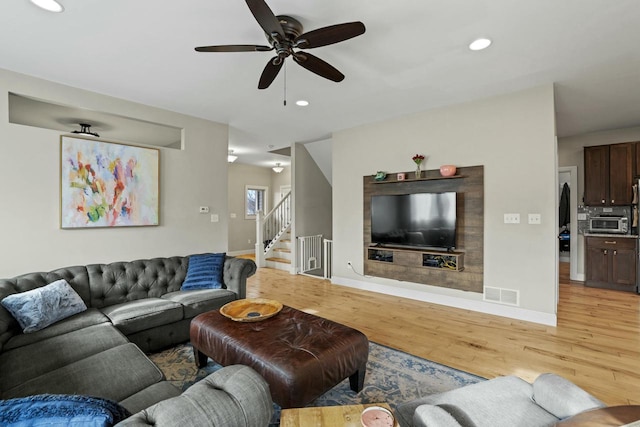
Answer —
(413, 57)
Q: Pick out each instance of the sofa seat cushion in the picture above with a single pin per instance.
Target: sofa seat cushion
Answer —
(89, 317)
(201, 301)
(150, 396)
(31, 361)
(114, 374)
(483, 405)
(147, 313)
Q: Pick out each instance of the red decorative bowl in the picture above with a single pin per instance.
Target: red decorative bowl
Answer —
(447, 170)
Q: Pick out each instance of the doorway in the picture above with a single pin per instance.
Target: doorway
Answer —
(568, 231)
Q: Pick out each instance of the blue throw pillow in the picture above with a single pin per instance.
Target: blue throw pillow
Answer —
(38, 308)
(204, 272)
(59, 410)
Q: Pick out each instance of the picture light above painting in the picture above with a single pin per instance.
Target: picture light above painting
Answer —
(106, 184)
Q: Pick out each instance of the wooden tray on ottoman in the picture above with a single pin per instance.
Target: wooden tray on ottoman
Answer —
(251, 310)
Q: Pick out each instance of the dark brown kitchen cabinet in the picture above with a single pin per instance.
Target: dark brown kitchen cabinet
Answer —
(611, 263)
(608, 174)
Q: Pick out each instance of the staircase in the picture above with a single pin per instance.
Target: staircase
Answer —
(273, 236)
(280, 254)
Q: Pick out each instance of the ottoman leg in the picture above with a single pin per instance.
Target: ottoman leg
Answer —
(356, 380)
(200, 357)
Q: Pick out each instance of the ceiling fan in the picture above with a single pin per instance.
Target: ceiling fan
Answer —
(285, 35)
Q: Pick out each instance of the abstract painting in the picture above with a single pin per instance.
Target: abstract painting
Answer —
(105, 184)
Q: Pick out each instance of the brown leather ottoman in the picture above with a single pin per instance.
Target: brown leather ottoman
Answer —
(300, 355)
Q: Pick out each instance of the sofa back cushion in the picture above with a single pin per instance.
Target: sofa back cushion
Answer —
(120, 282)
(77, 277)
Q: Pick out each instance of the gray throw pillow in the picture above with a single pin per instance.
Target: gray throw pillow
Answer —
(38, 308)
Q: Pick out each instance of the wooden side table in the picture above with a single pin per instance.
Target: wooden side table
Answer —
(605, 417)
(326, 416)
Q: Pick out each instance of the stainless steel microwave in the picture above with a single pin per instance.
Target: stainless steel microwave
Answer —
(609, 224)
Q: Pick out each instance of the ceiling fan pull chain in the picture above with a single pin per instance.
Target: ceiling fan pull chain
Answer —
(285, 84)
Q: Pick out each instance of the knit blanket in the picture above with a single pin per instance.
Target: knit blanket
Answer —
(54, 410)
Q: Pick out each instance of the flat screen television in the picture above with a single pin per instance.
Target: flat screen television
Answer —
(423, 220)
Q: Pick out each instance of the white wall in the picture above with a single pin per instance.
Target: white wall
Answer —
(279, 180)
(321, 153)
(29, 209)
(312, 196)
(242, 232)
(513, 137)
(571, 153)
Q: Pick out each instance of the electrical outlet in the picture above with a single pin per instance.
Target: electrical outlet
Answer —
(512, 218)
(249, 241)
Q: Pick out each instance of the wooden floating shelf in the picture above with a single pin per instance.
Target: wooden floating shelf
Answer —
(418, 179)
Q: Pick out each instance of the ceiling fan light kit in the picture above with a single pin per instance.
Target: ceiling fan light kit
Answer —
(285, 35)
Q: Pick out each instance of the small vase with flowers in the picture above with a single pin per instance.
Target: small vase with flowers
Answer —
(417, 159)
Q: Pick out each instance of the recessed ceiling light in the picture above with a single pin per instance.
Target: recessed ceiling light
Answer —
(49, 5)
(480, 44)
(302, 103)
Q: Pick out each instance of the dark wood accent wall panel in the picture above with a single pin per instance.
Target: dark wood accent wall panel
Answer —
(469, 184)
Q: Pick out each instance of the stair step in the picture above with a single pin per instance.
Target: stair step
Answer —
(276, 259)
(282, 250)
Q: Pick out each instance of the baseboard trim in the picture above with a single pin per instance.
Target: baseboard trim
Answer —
(236, 253)
(450, 301)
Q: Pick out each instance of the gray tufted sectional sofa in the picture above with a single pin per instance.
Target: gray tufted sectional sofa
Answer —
(133, 307)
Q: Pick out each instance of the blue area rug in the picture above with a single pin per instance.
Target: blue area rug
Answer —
(392, 376)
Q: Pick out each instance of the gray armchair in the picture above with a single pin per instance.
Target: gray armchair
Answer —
(501, 402)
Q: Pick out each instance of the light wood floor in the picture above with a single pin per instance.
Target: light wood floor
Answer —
(596, 343)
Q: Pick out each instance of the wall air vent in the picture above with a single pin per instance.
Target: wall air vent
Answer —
(502, 296)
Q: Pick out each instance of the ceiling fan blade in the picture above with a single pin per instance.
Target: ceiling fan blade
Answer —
(265, 17)
(234, 48)
(318, 66)
(329, 35)
(270, 72)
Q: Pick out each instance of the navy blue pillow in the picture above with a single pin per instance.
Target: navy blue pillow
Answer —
(60, 410)
(204, 272)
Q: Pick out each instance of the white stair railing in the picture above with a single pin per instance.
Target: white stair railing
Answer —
(271, 227)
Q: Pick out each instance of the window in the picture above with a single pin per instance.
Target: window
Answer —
(255, 200)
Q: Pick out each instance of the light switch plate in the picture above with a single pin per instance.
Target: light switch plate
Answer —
(512, 218)
(535, 218)
(215, 218)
